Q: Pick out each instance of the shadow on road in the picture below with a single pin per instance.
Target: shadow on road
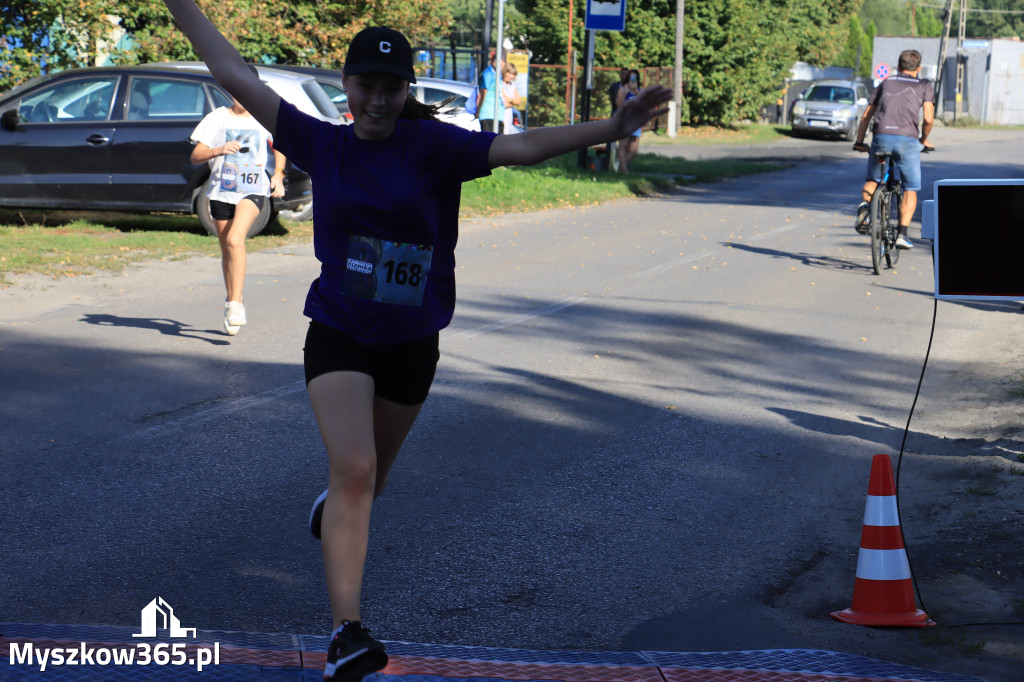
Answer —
(164, 326)
(808, 259)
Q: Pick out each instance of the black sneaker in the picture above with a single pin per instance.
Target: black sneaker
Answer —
(353, 654)
(863, 218)
(316, 515)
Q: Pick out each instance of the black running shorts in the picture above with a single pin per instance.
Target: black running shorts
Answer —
(402, 373)
(222, 210)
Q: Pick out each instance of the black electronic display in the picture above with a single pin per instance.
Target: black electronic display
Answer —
(979, 239)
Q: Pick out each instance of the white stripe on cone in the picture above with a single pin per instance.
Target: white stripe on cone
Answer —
(883, 564)
(881, 511)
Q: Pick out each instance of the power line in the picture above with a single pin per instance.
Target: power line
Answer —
(974, 9)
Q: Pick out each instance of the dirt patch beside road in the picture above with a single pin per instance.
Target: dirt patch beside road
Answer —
(961, 505)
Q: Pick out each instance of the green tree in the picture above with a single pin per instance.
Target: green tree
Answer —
(856, 40)
(818, 28)
(467, 22)
(994, 24)
(738, 54)
(47, 35)
(309, 32)
(928, 22)
(890, 17)
(40, 36)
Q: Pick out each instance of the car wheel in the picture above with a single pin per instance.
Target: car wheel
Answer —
(210, 225)
(299, 215)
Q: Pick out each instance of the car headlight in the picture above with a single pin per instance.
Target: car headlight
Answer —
(799, 108)
(846, 112)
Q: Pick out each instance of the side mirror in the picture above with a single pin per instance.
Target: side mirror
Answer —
(10, 120)
(862, 102)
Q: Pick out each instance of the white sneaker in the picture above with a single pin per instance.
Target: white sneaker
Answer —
(316, 515)
(904, 243)
(863, 222)
(234, 316)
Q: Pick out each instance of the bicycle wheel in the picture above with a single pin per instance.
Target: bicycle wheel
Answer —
(892, 254)
(879, 220)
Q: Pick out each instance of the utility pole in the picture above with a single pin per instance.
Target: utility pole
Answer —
(960, 59)
(947, 20)
(677, 74)
(570, 73)
(485, 37)
(499, 49)
(588, 85)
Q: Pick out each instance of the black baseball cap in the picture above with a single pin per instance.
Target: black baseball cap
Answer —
(380, 48)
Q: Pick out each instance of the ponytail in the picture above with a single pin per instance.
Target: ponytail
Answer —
(416, 110)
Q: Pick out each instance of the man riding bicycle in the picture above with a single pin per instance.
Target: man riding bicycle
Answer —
(895, 105)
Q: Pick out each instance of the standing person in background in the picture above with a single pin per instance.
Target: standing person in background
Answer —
(385, 225)
(628, 146)
(510, 98)
(896, 106)
(613, 91)
(491, 121)
(235, 145)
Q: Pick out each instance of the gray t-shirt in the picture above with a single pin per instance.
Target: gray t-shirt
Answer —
(898, 101)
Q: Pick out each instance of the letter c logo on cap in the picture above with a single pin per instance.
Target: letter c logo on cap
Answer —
(385, 46)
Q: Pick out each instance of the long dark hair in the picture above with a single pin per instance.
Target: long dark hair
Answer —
(417, 111)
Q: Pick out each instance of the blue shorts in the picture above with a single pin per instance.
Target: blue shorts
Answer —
(906, 151)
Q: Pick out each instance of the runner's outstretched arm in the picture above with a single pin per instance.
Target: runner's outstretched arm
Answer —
(226, 64)
(539, 144)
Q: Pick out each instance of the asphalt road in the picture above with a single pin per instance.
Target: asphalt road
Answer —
(648, 415)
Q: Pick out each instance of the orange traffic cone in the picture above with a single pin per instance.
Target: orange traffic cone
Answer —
(883, 593)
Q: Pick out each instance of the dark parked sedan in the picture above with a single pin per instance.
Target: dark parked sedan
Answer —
(116, 138)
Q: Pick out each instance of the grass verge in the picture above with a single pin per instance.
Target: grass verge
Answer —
(72, 243)
(753, 133)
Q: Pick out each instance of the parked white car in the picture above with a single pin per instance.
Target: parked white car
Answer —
(426, 90)
(438, 90)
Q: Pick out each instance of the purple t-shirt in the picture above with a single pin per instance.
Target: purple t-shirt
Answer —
(898, 101)
(385, 219)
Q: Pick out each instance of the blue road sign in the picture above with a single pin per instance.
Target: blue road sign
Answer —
(882, 72)
(606, 15)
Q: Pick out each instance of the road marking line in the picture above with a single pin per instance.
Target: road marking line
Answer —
(223, 409)
(517, 319)
(664, 267)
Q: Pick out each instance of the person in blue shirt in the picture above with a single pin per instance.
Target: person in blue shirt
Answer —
(385, 227)
(487, 88)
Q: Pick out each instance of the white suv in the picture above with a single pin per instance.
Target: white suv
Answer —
(831, 107)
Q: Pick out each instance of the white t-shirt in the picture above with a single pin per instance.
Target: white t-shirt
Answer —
(509, 90)
(235, 176)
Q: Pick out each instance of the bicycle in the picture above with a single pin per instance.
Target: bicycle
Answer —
(885, 215)
(884, 218)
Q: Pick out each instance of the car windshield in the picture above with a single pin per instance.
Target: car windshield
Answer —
(831, 93)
